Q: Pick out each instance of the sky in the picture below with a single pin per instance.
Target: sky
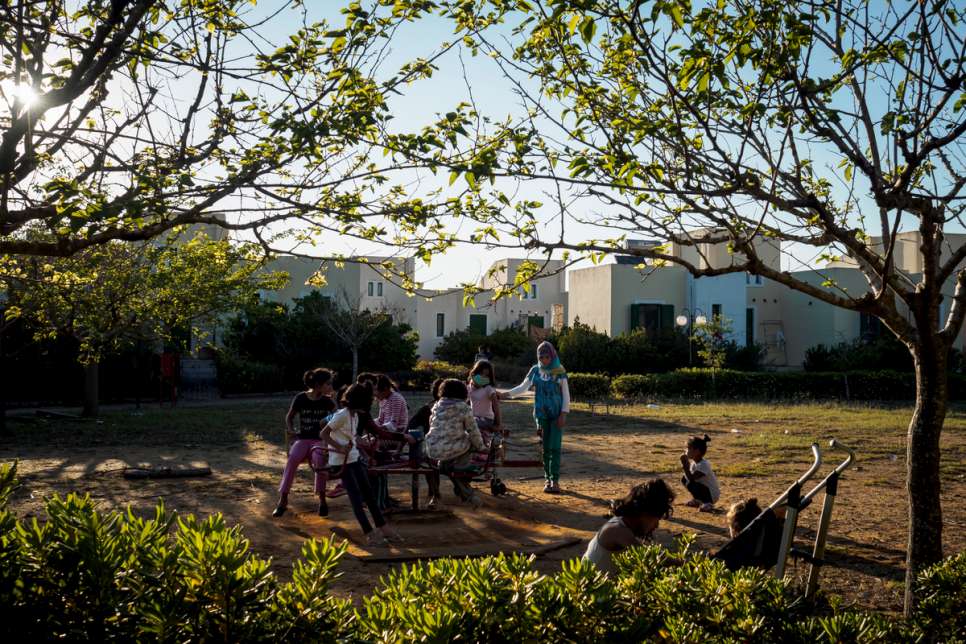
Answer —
(421, 102)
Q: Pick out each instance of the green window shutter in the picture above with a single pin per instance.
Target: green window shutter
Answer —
(667, 317)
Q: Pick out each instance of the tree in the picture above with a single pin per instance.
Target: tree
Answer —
(830, 125)
(122, 119)
(353, 325)
(712, 340)
(109, 296)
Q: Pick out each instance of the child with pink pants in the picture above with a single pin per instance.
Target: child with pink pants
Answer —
(312, 407)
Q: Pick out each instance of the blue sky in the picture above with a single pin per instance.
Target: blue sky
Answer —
(423, 100)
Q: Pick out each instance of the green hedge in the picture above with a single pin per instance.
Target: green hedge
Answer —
(788, 385)
(78, 574)
(588, 386)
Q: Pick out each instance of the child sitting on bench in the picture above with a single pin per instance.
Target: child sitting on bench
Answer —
(698, 477)
(453, 435)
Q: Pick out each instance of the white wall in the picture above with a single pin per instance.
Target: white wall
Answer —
(728, 291)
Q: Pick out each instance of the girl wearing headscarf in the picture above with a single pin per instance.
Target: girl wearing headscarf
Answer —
(551, 405)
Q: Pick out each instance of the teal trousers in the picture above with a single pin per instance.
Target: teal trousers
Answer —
(552, 438)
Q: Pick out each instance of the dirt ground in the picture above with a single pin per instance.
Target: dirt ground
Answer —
(756, 450)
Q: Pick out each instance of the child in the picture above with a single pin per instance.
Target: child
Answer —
(636, 516)
(312, 407)
(741, 514)
(754, 543)
(698, 477)
(483, 397)
(453, 435)
(419, 427)
(393, 410)
(550, 408)
(340, 434)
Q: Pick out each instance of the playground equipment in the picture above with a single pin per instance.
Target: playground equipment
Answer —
(395, 461)
(767, 542)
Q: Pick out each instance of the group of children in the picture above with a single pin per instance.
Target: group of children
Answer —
(338, 436)
(458, 422)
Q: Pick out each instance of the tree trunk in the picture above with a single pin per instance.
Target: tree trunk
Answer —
(355, 363)
(922, 466)
(90, 390)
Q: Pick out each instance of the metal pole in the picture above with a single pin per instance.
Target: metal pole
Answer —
(788, 535)
(818, 553)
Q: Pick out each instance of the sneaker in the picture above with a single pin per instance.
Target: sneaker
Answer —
(375, 538)
(475, 501)
(707, 507)
(693, 503)
(554, 488)
(279, 511)
(323, 508)
(548, 487)
(433, 503)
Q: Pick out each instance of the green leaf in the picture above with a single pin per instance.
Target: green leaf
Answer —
(677, 16)
(587, 29)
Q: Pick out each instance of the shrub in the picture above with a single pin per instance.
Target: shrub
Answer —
(426, 372)
(238, 375)
(511, 373)
(588, 386)
(637, 352)
(882, 353)
(83, 575)
(460, 347)
(789, 385)
(942, 596)
(585, 350)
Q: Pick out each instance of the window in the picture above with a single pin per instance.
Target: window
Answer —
(371, 291)
(653, 318)
(440, 325)
(533, 291)
(870, 327)
(749, 327)
(715, 311)
(379, 289)
(528, 292)
(478, 324)
(752, 280)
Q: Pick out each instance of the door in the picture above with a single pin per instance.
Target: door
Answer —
(478, 324)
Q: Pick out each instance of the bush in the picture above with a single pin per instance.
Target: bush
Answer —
(240, 376)
(511, 373)
(942, 596)
(882, 353)
(585, 350)
(266, 338)
(460, 347)
(588, 386)
(788, 385)
(80, 574)
(426, 372)
(83, 575)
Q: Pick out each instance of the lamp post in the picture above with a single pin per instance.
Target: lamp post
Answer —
(690, 319)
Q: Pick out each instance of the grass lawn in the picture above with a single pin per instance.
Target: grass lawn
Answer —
(756, 450)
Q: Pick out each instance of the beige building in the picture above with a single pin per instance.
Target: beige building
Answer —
(433, 314)
(622, 295)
